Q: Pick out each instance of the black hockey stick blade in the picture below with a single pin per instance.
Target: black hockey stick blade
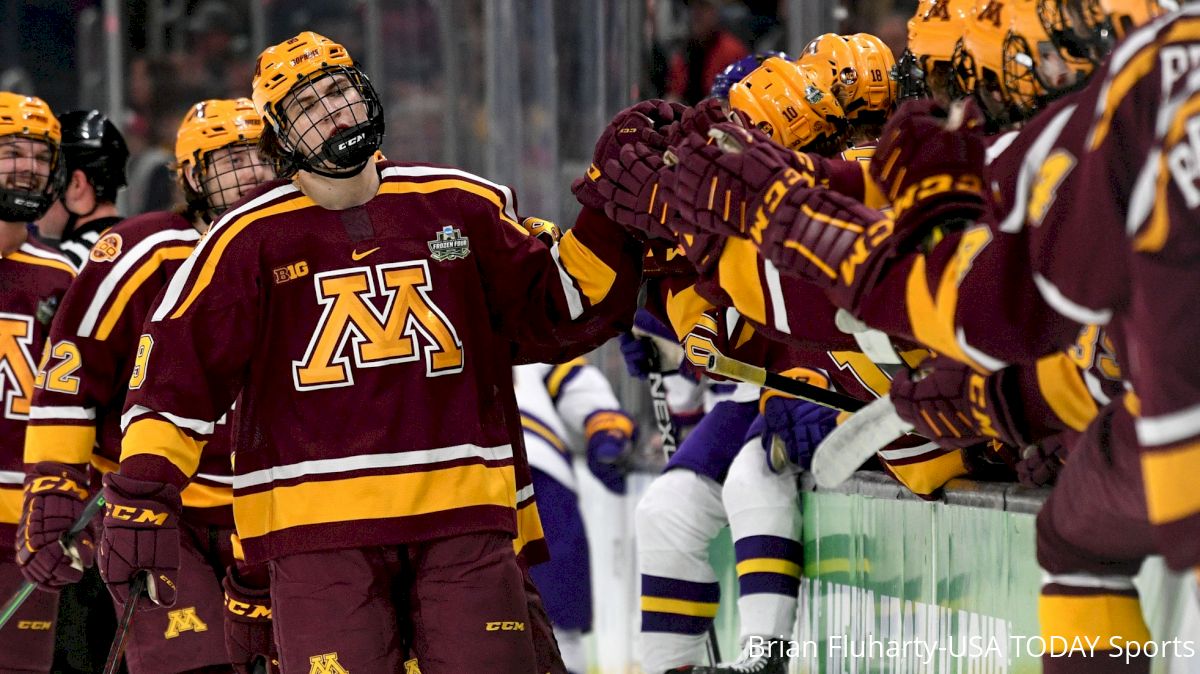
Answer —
(137, 588)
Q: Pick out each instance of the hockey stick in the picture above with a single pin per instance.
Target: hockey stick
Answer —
(857, 439)
(66, 541)
(658, 398)
(137, 588)
(723, 365)
(662, 417)
(875, 344)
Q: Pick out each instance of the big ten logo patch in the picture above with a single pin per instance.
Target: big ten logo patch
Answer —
(326, 663)
(290, 272)
(183, 620)
(354, 332)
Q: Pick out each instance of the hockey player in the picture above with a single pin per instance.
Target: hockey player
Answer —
(34, 279)
(77, 409)
(736, 71)
(94, 155)
(430, 271)
(559, 403)
(860, 71)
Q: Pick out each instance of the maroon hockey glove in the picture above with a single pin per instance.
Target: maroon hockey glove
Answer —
(827, 239)
(702, 250)
(248, 628)
(642, 122)
(718, 191)
(55, 497)
(698, 119)
(948, 402)
(634, 197)
(1042, 462)
(929, 163)
(141, 533)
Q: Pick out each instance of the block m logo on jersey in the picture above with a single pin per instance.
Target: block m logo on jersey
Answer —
(16, 364)
(354, 332)
(326, 663)
(183, 620)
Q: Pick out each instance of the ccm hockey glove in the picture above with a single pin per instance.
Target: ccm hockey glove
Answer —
(929, 163)
(827, 239)
(55, 497)
(951, 404)
(141, 533)
(630, 184)
(642, 122)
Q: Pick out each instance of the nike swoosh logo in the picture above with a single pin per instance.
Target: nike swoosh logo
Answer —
(356, 256)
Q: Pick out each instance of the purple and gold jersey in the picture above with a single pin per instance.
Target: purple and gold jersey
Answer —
(372, 347)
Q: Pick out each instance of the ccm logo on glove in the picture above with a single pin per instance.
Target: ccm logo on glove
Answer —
(63, 484)
(137, 515)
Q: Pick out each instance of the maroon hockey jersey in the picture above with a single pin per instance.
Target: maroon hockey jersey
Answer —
(77, 414)
(372, 347)
(33, 280)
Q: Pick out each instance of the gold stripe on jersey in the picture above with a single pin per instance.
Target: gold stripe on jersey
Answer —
(1098, 616)
(1137, 67)
(374, 497)
(26, 258)
(529, 526)
(226, 233)
(163, 439)
(738, 268)
(684, 309)
(925, 477)
(394, 186)
(557, 375)
(537, 428)
(768, 565)
(194, 495)
(594, 276)
(10, 505)
(698, 609)
(134, 282)
(933, 317)
(1170, 477)
(873, 197)
(1061, 385)
(61, 443)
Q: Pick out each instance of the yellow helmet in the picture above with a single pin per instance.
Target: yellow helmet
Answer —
(281, 66)
(1034, 71)
(980, 61)
(829, 56)
(858, 70)
(342, 138)
(934, 36)
(792, 104)
(29, 117)
(214, 124)
(875, 93)
(1089, 28)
